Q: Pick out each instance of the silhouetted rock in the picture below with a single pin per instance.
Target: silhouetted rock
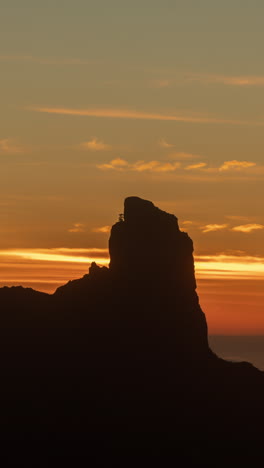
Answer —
(124, 349)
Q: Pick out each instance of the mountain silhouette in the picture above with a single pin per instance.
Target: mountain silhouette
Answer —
(124, 350)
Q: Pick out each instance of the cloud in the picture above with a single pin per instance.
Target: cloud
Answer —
(117, 164)
(164, 144)
(188, 223)
(248, 227)
(213, 227)
(59, 255)
(77, 227)
(7, 147)
(95, 145)
(139, 115)
(206, 266)
(195, 166)
(139, 166)
(102, 229)
(229, 266)
(237, 165)
(160, 83)
(239, 80)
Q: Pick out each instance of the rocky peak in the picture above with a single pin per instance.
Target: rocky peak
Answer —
(147, 244)
(140, 212)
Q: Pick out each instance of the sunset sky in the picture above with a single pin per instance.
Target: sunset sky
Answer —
(103, 99)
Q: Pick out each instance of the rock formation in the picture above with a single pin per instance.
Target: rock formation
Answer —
(124, 348)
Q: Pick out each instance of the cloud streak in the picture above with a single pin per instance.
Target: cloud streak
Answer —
(195, 166)
(247, 228)
(234, 164)
(95, 145)
(120, 164)
(138, 115)
(213, 227)
(139, 166)
(229, 80)
(229, 266)
(77, 227)
(59, 255)
(164, 144)
(8, 147)
(102, 229)
(31, 264)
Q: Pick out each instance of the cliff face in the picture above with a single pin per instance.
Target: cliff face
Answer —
(148, 245)
(153, 259)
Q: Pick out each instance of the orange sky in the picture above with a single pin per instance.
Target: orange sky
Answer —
(230, 288)
(121, 99)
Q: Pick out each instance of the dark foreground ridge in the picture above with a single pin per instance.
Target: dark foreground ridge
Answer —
(124, 350)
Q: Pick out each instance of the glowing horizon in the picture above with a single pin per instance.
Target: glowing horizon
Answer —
(206, 266)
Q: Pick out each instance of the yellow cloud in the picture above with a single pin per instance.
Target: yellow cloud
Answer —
(102, 229)
(138, 115)
(117, 164)
(59, 255)
(234, 164)
(77, 227)
(229, 266)
(32, 262)
(140, 166)
(7, 147)
(160, 83)
(164, 144)
(248, 227)
(213, 227)
(195, 166)
(95, 145)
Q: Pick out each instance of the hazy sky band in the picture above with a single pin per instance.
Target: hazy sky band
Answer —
(138, 115)
(205, 266)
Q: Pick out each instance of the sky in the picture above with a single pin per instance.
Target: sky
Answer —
(164, 100)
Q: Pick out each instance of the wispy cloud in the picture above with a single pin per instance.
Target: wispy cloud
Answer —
(161, 83)
(237, 165)
(118, 164)
(195, 166)
(247, 228)
(8, 147)
(213, 227)
(37, 261)
(59, 255)
(95, 145)
(139, 166)
(229, 266)
(229, 80)
(187, 223)
(77, 227)
(140, 115)
(164, 144)
(102, 229)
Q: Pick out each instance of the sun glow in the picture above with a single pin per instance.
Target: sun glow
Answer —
(18, 265)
